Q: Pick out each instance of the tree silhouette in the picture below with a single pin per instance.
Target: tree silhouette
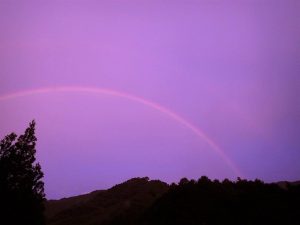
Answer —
(21, 188)
(227, 203)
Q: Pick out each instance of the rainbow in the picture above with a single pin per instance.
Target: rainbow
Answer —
(197, 131)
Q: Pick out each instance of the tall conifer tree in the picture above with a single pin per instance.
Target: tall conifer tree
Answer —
(21, 187)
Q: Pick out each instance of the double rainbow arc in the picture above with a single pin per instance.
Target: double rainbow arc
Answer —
(196, 130)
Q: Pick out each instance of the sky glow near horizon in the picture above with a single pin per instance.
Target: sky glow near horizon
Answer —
(228, 68)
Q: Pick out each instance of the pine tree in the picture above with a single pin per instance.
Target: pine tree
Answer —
(21, 186)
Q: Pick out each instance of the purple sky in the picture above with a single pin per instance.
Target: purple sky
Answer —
(229, 68)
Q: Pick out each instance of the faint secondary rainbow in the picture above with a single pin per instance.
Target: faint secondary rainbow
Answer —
(196, 130)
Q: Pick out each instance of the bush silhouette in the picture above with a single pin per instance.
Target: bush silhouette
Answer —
(21, 188)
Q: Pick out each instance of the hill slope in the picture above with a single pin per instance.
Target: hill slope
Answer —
(142, 202)
(123, 202)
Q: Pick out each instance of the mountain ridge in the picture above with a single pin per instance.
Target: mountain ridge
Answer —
(139, 200)
(130, 197)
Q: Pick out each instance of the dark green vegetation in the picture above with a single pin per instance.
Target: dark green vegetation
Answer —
(143, 202)
(21, 188)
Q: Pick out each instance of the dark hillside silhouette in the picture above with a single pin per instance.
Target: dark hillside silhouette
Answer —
(122, 204)
(21, 187)
(143, 202)
(213, 202)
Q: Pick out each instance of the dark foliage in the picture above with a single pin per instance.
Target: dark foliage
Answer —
(212, 202)
(21, 188)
